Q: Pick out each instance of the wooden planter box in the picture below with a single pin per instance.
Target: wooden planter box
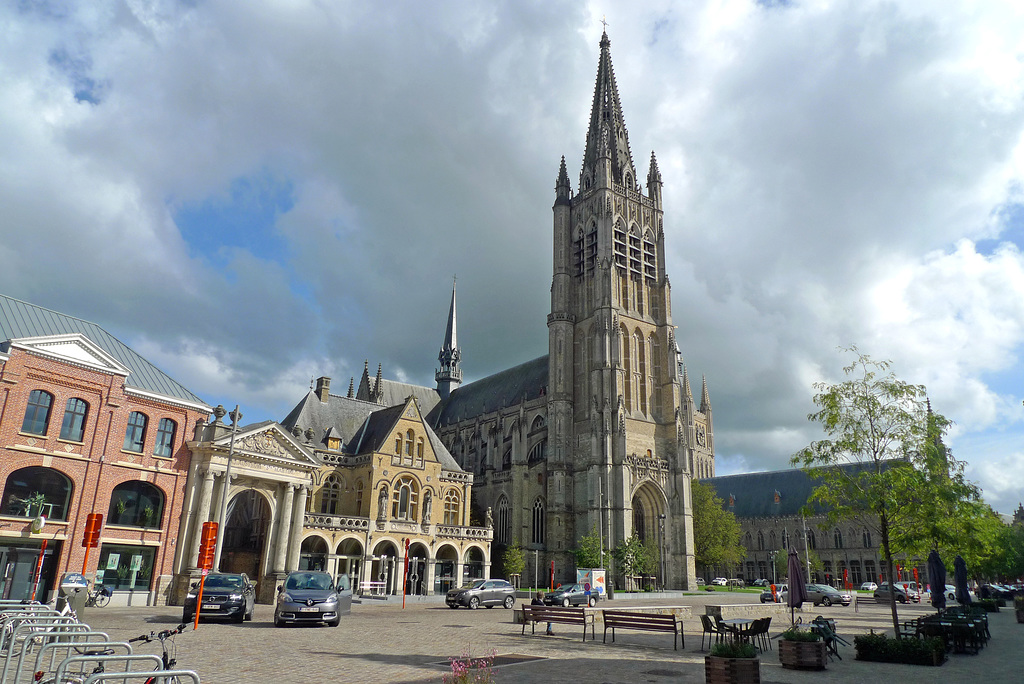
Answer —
(802, 655)
(732, 670)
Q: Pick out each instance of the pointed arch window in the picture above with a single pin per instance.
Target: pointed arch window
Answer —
(639, 523)
(656, 398)
(72, 428)
(591, 247)
(359, 497)
(867, 538)
(330, 496)
(760, 541)
(650, 257)
(837, 537)
(452, 507)
(635, 251)
(504, 523)
(773, 542)
(538, 521)
(627, 368)
(640, 375)
(577, 249)
(812, 542)
(619, 244)
(37, 413)
(785, 539)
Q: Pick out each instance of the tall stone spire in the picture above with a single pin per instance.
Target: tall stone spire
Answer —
(449, 375)
(607, 133)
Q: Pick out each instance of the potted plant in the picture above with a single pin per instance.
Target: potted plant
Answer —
(732, 662)
(802, 649)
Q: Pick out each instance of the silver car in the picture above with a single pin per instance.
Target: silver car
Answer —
(309, 596)
(824, 595)
(481, 592)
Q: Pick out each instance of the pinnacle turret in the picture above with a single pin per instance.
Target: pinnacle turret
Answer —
(705, 399)
(563, 190)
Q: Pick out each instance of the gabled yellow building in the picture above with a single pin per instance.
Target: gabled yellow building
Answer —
(386, 488)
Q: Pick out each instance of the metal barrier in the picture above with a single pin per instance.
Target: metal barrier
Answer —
(21, 627)
(90, 642)
(64, 668)
(161, 676)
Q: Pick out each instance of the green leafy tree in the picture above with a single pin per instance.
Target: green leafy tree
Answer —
(630, 556)
(716, 533)
(588, 552)
(514, 559)
(881, 426)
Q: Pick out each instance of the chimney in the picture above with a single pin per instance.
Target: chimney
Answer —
(323, 388)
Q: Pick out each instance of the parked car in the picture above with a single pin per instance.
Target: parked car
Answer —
(225, 595)
(700, 582)
(903, 595)
(570, 595)
(995, 591)
(868, 586)
(308, 596)
(720, 581)
(824, 595)
(482, 592)
(766, 595)
(736, 582)
(760, 583)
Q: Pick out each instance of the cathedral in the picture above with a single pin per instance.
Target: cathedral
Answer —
(603, 434)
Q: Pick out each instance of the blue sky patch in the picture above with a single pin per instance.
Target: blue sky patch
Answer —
(243, 218)
(77, 68)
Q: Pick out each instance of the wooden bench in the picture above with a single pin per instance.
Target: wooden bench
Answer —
(647, 622)
(371, 588)
(570, 616)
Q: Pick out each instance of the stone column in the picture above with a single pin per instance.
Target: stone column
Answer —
(284, 518)
(487, 569)
(457, 580)
(202, 515)
(428, 581)
(298, 518)
(182, 547)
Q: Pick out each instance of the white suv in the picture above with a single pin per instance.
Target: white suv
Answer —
(720, 581)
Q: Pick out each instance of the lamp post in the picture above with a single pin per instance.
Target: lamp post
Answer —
(771, 559)
(661, 527)
(236, 416)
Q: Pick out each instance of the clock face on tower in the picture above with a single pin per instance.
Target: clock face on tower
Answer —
(702, 439)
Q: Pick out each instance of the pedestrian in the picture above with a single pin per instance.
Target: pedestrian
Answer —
(538, 600)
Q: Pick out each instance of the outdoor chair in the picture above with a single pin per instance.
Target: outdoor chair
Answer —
(709, 628)
(760, 633)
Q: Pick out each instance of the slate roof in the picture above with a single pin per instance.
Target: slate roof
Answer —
(501, 390)
(361, 425)
(20, 319)
(754, 493)
(395, 392)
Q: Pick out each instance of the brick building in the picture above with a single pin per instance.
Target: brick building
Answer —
(87, 426)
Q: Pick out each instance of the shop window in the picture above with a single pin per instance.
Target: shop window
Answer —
(34, 491)
(37, 413)
(125, 567)
(72, 428)
(136, 504)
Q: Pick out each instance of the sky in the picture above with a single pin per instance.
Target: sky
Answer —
(252, 195)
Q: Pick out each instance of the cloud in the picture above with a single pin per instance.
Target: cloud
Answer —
(259, 194)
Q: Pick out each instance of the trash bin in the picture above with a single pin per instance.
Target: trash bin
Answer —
(73, 590)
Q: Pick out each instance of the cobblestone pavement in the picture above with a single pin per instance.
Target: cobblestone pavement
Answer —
(382, 642)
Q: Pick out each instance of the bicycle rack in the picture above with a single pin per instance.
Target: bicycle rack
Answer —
(24, 626)
(161, 675)
(67, 663)
(78, 640)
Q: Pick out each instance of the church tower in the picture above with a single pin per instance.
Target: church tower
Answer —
(623, 435)
(449, 375)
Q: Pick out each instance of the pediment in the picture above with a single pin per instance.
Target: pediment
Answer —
(269, 442)
(75, 349)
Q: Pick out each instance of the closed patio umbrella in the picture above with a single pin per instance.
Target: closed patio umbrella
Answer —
(797, 586)
(963, 594)
(937, 577)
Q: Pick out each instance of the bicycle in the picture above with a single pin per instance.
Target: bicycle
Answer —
(166, 659)
(99, 596)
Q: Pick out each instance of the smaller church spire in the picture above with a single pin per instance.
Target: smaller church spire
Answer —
(351, 387)
(705, 400)
(449, 375)
(563, 191)
(687, 392)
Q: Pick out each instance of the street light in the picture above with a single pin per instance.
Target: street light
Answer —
(661, 526)
(236, 416)
(771, 559)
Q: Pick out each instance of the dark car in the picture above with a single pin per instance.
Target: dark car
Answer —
(995, 591)
(571, 595)
(309, 596)
(225, 595)
(760, 583)
(482, 592)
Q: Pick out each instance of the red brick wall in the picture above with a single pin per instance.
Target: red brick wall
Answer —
(96, 465)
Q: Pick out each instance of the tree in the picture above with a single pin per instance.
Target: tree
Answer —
(877, 423)
(716, 533)
(514, 559)
(588, 553)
